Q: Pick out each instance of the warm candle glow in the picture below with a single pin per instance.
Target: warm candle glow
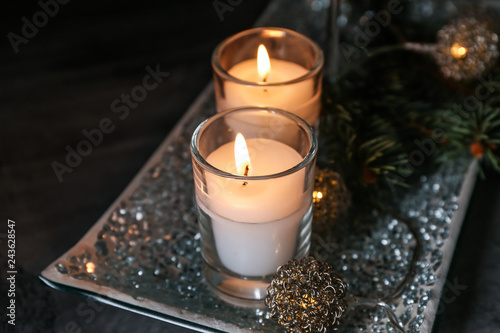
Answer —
(90, 267)
(310, 301)
(458, 51)
(317, 196)
(241, 156)
(263, 63)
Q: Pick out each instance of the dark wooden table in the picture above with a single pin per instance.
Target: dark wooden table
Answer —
(74, 68)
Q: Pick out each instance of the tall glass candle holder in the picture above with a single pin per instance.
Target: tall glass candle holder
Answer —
(286, 73)
(254, 175)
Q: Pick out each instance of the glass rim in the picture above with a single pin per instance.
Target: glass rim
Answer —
(216, 65)
(311, 154)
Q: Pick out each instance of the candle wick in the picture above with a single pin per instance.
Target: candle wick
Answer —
(246, 174)
(264, 80)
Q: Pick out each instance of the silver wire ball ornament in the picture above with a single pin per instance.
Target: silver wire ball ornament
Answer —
(466, 48)
(306, 295)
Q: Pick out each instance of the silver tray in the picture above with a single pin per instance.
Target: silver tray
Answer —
(143, 254)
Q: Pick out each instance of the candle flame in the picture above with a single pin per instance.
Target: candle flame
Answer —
(263, 63)
(458, 51)
(241, 156)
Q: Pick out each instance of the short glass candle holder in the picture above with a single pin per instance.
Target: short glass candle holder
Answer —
(254, 199)
(287, 75)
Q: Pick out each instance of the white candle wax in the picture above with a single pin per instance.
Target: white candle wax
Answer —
(293, 97)
(255, 225)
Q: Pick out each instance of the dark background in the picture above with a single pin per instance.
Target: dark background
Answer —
(64, 81)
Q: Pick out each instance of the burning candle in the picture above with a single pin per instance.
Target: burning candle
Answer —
(269, 67)
(267, 213)
(253, 192)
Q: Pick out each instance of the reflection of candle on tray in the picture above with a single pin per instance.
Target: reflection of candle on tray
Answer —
(255, 223)
(286, 75)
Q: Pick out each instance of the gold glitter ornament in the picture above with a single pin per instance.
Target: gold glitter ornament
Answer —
(466, 48)
(331, 198)
(306, 296)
